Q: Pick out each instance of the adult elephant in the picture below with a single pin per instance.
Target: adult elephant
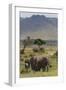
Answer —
(37, 65)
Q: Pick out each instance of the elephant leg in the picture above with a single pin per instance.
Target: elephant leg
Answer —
(43, 68)
(47, 68)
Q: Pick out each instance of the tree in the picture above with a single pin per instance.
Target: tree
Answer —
(26, 43)
(39, 42)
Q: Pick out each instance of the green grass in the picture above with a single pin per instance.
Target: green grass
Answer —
(49, 52)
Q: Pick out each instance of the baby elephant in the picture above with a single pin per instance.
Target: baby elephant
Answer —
(27, 64)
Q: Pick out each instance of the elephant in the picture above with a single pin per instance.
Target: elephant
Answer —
(37, 65)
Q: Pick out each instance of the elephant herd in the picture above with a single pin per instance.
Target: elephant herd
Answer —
(37, 65)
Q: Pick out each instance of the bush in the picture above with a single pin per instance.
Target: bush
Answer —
(42, 49)
(55, 54)
(24, 71)
(22, 51)
(21, 59)
(31, 55)
(35, 50)
(25, 56)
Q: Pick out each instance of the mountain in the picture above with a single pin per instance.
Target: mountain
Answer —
(38, 26)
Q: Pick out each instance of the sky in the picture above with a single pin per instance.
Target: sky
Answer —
(29, 14)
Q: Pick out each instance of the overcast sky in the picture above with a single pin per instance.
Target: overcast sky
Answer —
(29, 14)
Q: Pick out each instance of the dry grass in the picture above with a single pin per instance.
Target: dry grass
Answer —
(49, 52)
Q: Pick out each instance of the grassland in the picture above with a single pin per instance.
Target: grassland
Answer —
(48, 52)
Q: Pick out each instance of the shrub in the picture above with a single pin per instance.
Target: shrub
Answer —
(55, 54)
(25, 56)
(22, 51)
(24, 71)
(42, 49)
(21, 59)
(31, 55)
(35, 50)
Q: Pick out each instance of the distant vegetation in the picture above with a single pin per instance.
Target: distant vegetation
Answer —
(39, 42)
